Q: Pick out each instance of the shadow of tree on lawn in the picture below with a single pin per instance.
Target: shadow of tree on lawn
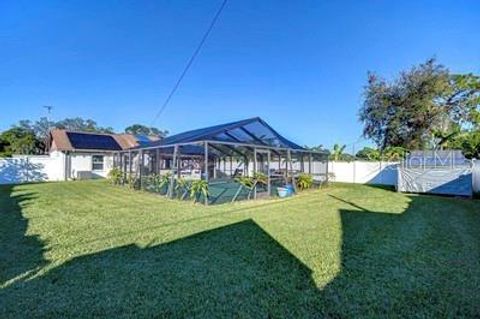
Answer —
(19, 253)
(236, 270)
(21, 170)
(424, 262)
(421, 263)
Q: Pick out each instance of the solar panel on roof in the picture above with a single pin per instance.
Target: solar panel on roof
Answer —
(93, 141)
(142, 138)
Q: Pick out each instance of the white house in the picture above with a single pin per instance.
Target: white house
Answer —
(88, 155)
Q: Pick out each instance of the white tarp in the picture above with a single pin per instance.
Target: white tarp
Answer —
(445, 181)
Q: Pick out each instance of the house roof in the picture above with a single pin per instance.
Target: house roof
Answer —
(65, 140)
(249, 131)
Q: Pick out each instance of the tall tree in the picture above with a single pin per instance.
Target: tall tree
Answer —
(338, 153)
(19, 140)
(80, 124)
(42, 126)
(140, 129)
(421, 101)
(369, 154)
(316, 148)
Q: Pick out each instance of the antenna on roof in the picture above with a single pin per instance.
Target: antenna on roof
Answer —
(49, 110)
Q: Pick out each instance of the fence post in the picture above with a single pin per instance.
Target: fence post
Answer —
(26, 169)
(381, 172)
(205, 151)
(354, 170)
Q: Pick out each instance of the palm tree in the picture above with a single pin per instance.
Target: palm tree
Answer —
(337, 152)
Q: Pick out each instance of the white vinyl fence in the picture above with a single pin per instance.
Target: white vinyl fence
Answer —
(23, 169)
(360, 172)
(476, 176)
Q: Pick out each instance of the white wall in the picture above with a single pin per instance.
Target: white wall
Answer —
(21, 169)
(82, 162)
(476, 176)
(384, 173)
(36, 168)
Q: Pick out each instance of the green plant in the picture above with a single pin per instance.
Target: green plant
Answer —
(198, 188)
(115, 176)
(304, 181)
(246, 181)
(152, 183)
(157, 183)
(260, 178)
(133, 182)
(337, 152)
(182, 187)
(165, 181)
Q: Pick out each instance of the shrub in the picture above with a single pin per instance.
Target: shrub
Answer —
(115, 176)
(248, 182)
(245, 181)
(198, 188)
(182, 187)
(304, 181)
(260, 178)
(133, 182)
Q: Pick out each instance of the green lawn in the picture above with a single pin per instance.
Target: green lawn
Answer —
(87, 249)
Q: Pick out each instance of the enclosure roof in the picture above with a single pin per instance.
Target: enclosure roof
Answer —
(249, 131)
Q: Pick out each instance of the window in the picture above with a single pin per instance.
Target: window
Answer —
(97, 162)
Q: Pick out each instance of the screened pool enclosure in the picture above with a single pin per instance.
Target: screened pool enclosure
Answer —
(222, 156)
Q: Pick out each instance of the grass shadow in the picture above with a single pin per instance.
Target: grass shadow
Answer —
(223, 272)
(422, 262)
(20, 253)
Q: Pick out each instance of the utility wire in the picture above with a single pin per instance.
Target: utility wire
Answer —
(190, 62)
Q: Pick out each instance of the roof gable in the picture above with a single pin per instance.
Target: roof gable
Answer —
(58, 140)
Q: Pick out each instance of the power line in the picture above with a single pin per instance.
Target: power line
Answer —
(190, 62)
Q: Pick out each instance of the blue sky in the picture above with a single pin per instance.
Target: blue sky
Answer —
(300, 65)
